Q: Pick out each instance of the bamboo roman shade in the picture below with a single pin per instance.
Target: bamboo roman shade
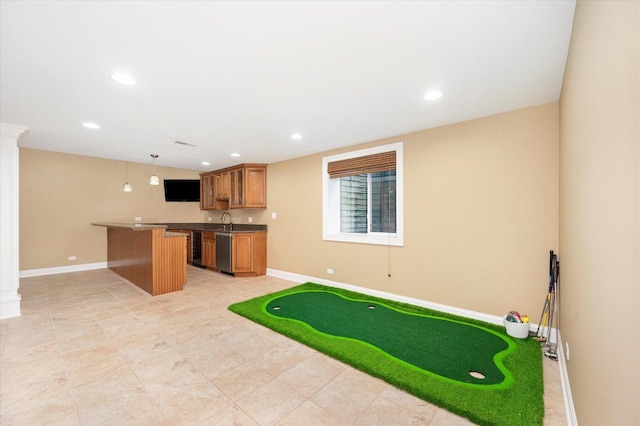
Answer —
(381, 162)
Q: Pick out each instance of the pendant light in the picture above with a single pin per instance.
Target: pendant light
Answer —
(127, 187)
(154, 180)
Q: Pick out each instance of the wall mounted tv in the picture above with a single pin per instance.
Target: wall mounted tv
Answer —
(182, 190)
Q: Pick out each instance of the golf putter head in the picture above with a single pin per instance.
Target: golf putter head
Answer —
(551, 354)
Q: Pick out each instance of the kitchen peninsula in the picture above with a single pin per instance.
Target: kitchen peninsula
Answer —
(147, 255)
(154, 256)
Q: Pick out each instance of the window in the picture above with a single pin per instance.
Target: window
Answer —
(362, 196)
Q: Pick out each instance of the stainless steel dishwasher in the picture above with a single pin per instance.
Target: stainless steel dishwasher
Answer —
(223, 252)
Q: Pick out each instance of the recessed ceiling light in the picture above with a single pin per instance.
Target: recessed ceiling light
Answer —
(433, 95)
(296, 136)
(91, 125)
(235, 154)
(123, 79)
(205, 163)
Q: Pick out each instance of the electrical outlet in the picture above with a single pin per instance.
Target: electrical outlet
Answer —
(72, 258)
(138, 219)
(273, 215)
(566, 352)
(209, 218)
(250, 219)
(329, 271)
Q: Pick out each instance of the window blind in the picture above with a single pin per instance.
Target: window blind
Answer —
(381, 162)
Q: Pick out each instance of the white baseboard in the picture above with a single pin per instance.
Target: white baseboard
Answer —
(62, 269)
(570, 410)
(492, 319)
(9, 304)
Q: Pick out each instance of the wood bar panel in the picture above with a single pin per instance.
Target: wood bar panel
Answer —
(155, 262)
(169, 262)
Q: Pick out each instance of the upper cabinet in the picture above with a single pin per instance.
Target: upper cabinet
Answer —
(207, 188)
(240, 187)
(223, 183)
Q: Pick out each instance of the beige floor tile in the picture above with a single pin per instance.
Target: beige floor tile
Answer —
(85, 341)
(270, 402)
(242, 380)
(313, 373)
(182, 377)
(344, 397)
(89, 364)
(51, 388)
(167, 361)
(25, 341)
(220, 360)
(67, 329)
(309, 414)
(232, 415)
(384, 412)
(112, 399)
(253, 346)
(192, 406)
(57, 411)
(147, 349)
(25, 379)
(284, 357)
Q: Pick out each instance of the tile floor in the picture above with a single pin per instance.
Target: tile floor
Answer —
(93, 349)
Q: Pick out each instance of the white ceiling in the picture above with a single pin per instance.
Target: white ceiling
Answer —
(243, 76)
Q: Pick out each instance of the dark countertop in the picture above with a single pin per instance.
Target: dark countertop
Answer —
(198, 226)
(134, 226)
(204, 226)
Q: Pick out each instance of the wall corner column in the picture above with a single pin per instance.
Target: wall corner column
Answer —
(9, 220)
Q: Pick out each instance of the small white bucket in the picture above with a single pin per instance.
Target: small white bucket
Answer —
(519, 330)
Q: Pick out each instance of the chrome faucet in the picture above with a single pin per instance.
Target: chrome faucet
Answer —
(224, 225)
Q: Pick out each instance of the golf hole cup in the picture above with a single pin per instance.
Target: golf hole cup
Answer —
(518, 330)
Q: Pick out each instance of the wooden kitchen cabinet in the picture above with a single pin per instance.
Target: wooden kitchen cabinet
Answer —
(249, 254)
(255, 187)
(207, 188)
(209, 249)
(223, 185)
(239, 187)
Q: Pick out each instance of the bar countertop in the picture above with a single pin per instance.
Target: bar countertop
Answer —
(194, 226)
(134, 226)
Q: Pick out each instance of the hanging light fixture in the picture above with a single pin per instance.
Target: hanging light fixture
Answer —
(127, 187)
(154, 180)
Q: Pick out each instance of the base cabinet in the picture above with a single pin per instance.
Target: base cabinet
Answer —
(242, 249)
(249, 254)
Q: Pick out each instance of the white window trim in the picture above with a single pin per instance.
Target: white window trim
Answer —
(331, 217)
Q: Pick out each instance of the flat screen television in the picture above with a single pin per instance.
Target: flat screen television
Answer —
(182, 190)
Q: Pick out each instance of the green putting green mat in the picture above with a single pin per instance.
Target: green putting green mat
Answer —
(469, 367)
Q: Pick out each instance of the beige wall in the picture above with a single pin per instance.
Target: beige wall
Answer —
(599, 214)
(481, 214)
(61, 194)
